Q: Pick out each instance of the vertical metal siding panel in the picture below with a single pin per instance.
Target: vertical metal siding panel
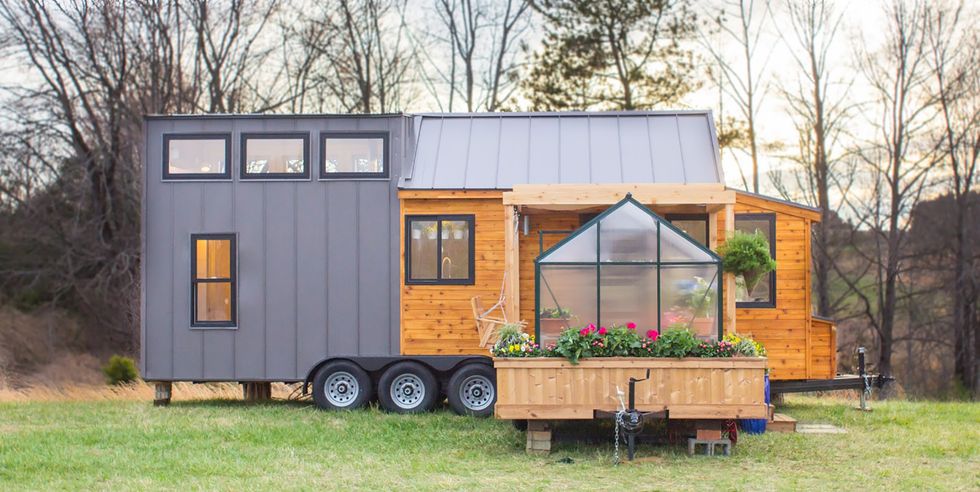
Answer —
(427, 152)
(450, 167)
(668, 163)
(604, 153)
(401, 147)
(574, 154)
(373, 275)
(699, 153)
(311, 252)
(635, 144)
(250, 337)
(188, 343)
(543, 151)
(219, 345)
(158, 222)
(342, 281)
(280, 280)
(513, 144)
(481, 170)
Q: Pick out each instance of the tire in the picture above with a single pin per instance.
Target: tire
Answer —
(473, 390)
(341, 385)
(408, 387)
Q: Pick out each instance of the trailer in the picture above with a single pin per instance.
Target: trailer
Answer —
(344, 252)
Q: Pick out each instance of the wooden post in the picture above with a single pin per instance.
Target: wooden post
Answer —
(729, 277)
(162, 393)
(512, 276)
(257, 392)
(538, 437)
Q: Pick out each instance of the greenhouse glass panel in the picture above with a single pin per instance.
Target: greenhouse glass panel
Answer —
(579, 248)
(690, 299)
(628, 293)
(567, 296)
(675, 247)
(628, 234)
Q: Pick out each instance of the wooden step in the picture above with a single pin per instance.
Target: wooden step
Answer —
(781, 423)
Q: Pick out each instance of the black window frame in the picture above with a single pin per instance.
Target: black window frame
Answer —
(386, 161)
(224, 176)
(233, 256)
(470, 219)
(771, 218)
(243, 157)
(707, 227)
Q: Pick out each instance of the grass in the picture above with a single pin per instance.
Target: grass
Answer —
(223, 444)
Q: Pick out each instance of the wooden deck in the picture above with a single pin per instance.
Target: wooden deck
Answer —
(692, 388)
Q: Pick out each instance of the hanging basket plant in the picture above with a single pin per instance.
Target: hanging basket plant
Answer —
(747, 255)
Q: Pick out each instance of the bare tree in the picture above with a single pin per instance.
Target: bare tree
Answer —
(482, 37)
(896, 163)
(820, 107)
(953, 55)
(744, 79)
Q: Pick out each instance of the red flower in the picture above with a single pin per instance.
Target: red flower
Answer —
(653, 334)
(631, 325)
(584, 331)
(602, 330)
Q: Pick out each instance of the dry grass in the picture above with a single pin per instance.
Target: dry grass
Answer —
(139, 391)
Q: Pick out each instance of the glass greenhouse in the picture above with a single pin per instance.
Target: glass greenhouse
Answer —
(628, 265)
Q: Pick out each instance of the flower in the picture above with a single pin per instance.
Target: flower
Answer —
(590, 328)
(631, 325)
(602, 330)
(653, 334)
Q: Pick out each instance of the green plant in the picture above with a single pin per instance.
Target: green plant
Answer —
(556, 313)
(120, 370)
(747, 255)
(702, 298)
(745, 346)
(713, 348)
(674, 342)
(513, 342)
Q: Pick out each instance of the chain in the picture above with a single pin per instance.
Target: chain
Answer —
(619, 416)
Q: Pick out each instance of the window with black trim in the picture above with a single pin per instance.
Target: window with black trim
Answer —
(213, 280)
(763, 294)
(439, 249)
(275, 156)
(694, 225)
(353, 155)
(196, 156)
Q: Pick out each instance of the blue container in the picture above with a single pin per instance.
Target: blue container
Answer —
(756, 426)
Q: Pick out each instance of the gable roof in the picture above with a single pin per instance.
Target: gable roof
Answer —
(486, 151)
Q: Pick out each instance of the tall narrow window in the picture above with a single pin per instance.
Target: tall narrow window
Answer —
(196, 156)
(213, 280)
(763, 295)
(439, 249)
(354, 155)
(275, 156)
(694, 225)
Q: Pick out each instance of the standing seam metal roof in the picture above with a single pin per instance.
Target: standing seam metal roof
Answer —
(500, 150)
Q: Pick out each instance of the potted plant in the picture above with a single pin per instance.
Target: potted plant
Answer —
(701, 300)
(553, 321)
(747, 255)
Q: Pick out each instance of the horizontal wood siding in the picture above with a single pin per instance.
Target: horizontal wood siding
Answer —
(688, 388)
(823, 349)
(437, 319)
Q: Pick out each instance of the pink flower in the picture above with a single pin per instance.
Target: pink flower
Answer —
(653, 334)
(602, 330)
(584, 331)
(631, 325)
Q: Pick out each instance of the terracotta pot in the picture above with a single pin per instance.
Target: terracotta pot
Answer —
(550, 328)
(704, 328)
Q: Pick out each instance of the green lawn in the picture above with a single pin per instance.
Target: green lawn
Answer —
(230, 445)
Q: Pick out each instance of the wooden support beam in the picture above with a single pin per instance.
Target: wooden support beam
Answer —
(162, 392)
(512, 260)
(257, 392)
(608, 194)
(729, 278)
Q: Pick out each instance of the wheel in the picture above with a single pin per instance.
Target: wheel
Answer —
(473, 390)
(408, 387)
(341, 385)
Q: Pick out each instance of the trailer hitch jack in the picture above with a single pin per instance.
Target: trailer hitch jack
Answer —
(630, 420)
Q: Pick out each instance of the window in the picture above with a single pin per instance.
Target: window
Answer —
(763, 295)
(196, 156)
(439, 249)
(213, 280)
(275, 156)
(354, 155)
(694, 225)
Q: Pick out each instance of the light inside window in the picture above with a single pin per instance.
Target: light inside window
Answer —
(354, 155)
(213, 288)
(275, 156)
(197, 156)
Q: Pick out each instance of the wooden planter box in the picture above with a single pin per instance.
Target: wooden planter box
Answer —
(691, 388)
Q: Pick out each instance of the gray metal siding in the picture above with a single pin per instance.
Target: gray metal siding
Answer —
(316, 263)
(500, 150)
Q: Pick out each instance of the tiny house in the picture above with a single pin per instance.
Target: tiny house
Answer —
(346, 251)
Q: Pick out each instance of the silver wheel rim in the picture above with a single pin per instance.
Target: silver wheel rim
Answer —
(341, 389)
(476, 393)
(407, 391)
